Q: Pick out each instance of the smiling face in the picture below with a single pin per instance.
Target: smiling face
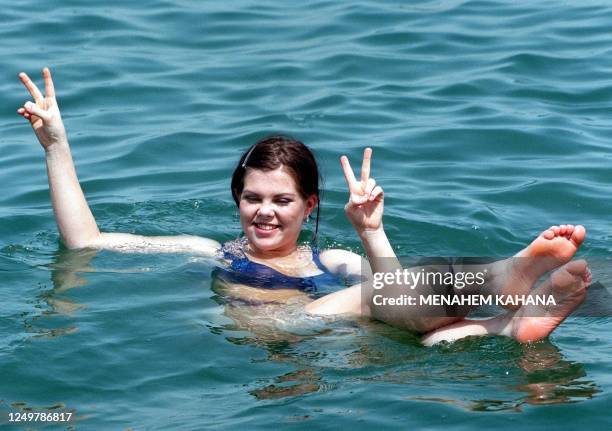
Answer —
(272, 211)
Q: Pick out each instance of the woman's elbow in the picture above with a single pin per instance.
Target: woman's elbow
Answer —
(81, 242)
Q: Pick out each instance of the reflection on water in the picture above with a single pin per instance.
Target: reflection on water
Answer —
(490, 374)
(68, 266)
(550, 378)
(514, 374)
(66, 273)
(295, 383)
(511, 374)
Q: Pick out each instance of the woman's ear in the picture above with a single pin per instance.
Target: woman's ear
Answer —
(311, 202)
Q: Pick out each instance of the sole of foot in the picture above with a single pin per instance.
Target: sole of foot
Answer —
(554, 247)
(568, 286)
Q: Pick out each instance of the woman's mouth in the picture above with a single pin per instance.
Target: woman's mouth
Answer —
(265, 228)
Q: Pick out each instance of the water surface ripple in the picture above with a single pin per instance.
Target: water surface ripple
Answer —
(489, 121)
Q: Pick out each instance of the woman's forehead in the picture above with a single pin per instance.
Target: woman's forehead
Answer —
(275, 181)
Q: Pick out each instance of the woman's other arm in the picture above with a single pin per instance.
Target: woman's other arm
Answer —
(364, 210)
(76, 223)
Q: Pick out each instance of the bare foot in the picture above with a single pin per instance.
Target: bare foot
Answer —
(551, 249)
(531, 322)
(568, 286)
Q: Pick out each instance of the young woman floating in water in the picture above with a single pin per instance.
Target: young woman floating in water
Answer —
(276, 188)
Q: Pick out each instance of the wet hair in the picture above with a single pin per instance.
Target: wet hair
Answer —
(271, 153)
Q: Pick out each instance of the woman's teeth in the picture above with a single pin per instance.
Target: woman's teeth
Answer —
(263, 226)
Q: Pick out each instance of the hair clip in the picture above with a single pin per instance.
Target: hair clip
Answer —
(246, 159)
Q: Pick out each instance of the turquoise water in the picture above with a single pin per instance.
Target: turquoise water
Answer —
(489, 121)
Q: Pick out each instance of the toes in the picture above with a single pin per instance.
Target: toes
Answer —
(588, 277)
(578, 235)
(577, 267)
(566, 230)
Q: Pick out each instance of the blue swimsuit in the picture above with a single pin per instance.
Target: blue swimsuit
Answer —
(244, 271)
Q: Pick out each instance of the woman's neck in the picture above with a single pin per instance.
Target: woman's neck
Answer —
(288, 261)
(271, 254)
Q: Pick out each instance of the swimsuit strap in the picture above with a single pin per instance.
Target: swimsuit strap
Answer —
(317, 260)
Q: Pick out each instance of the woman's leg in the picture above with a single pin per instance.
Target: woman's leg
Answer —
(356, 301)
(515, 276)
(567, 285)
(554, 247)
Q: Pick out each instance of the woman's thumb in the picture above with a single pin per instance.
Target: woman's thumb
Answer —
(33, 109)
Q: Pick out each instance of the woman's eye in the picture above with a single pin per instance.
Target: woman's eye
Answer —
(255, 199)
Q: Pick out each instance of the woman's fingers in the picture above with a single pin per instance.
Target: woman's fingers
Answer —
(49, 88)
(32, 88)
(377, 193)
(358, 199)
(352, 182)
(25, 114)
(349, 176)
(360, 191)
(365, 165)
(33, 109)
(371, 192)
(369, 186)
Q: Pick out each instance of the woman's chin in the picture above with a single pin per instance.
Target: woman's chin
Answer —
(262, 243)
(268, 244)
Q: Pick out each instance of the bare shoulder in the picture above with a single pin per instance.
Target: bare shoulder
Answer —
(343, 262)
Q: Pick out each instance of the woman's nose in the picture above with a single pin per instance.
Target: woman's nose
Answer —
(266, 209)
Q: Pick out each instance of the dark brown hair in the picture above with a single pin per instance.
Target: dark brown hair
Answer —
(273, 152)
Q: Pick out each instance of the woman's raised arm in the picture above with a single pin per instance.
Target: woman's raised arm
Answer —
(76, 223)
(364, 210)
